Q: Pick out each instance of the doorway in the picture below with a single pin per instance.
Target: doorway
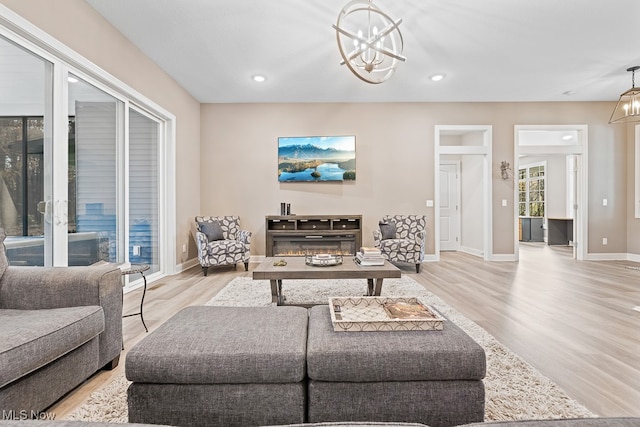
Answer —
(463, 218)
(551, 187)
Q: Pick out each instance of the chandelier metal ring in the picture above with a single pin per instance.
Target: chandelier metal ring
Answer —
(373, 54)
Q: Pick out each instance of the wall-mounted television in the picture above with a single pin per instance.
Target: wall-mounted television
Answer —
(316, 158)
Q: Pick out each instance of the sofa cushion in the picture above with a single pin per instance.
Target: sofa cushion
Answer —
(214, 345)
(33, 338)
(449, 354)
(4, 261)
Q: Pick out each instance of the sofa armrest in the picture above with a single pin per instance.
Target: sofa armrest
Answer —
(34, 288)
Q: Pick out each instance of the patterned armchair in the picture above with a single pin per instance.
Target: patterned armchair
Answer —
(221, 242)
(401, 238)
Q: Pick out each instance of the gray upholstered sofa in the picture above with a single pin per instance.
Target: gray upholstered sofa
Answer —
(58, 327)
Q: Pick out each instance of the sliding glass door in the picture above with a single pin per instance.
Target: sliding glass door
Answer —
(144, 195)
(87, 169)
(95, 133)
(25, 154)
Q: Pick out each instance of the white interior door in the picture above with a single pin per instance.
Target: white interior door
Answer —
(449, 206)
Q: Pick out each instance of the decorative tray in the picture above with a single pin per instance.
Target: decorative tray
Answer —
(383, 314)
(323, 260)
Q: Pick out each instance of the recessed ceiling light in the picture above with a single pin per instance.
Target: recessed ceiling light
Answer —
(258, 78)
(437, 77)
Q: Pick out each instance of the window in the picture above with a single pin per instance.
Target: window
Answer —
(531, 190)
(84, 160)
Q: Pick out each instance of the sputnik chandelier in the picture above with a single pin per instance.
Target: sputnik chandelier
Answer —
(370, 42)
(628, 107)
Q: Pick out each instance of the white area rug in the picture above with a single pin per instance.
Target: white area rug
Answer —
(514, 389)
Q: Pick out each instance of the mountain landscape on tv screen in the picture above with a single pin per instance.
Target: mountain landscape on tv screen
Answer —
(309, 162)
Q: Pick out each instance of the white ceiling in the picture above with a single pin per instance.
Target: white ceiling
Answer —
(490, 50)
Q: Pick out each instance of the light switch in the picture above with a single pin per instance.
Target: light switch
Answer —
(504, 202)
(604, 202)
(429, 203)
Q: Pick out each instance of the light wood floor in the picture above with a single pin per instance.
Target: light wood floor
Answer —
(571, 320)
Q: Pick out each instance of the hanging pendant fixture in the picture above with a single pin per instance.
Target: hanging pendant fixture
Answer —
(628, 107)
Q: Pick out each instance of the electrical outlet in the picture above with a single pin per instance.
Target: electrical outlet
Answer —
(429, 203)
(604, 241)
(605, 202)
(184, 249)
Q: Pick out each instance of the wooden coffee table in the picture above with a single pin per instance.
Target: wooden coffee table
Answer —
(297, 269)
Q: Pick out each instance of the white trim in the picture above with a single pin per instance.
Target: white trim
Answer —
(608, 257)
(471, 251)
(184, 266)
(504, 258)
(633, 257)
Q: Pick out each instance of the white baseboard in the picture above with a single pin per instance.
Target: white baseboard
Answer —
(186, 265)
(608, 257)
(471, 251)
(504, 257)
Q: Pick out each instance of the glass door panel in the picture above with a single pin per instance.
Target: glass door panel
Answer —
(25, 135)
(95, 132)
(143, 190)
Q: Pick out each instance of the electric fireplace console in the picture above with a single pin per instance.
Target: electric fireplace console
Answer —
(300, 235)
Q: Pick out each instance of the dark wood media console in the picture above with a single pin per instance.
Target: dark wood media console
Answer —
(299, 235)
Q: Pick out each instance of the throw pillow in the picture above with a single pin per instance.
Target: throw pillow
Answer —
(388, 230)
(212, 230)
(4, 261)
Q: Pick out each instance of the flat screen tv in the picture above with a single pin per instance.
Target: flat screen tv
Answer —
(316, 158)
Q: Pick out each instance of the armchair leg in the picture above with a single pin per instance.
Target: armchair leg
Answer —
(246, 266)
(418, 267)
(204, 270)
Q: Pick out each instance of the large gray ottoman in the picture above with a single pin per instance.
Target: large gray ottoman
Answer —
(429, 377)
(221, 366)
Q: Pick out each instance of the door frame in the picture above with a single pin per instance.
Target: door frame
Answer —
(581, 214)
(484, 150)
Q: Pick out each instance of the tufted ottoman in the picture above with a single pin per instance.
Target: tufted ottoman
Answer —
(429, 377)
(221, 366)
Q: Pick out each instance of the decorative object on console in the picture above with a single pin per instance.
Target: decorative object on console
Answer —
(408, 245)
(316, 159)
(628, 107)
(234, 246)
(369, 41)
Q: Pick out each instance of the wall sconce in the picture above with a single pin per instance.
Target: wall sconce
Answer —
(505, 170)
